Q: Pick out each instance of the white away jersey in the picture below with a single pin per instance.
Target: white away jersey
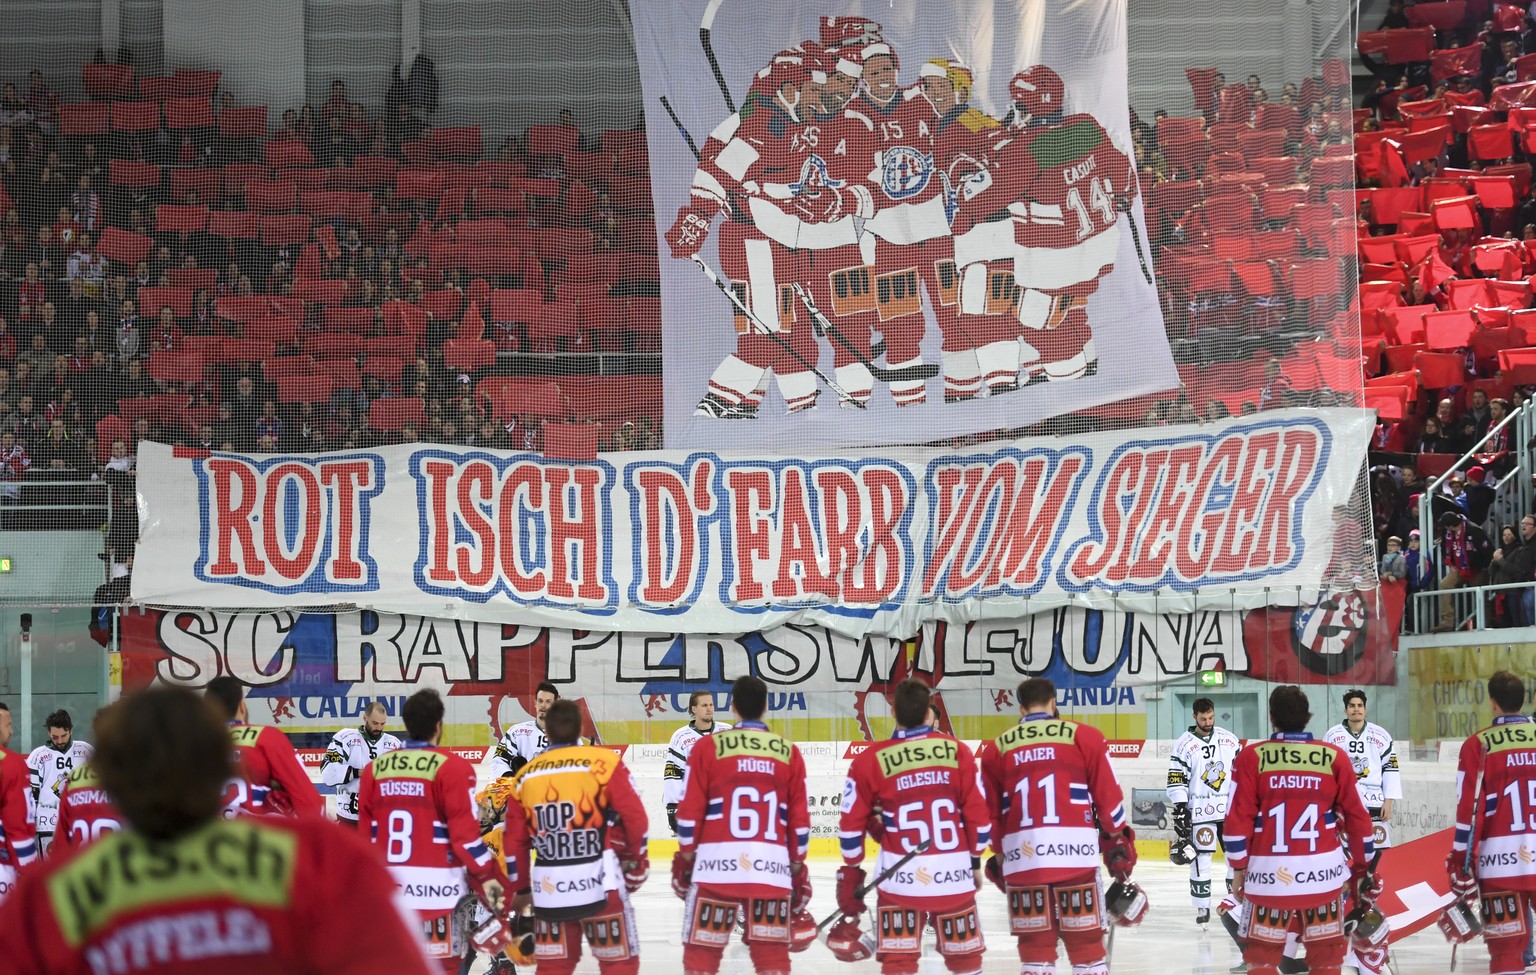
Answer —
(1374, 756)
(678, 749)
(348, 754)
(49, 769)
(1200, 773)
(521, 744)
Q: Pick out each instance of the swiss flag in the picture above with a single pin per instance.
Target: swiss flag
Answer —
(1342, 638)
(1416, 886)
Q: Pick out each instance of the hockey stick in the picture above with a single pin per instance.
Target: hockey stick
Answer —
(841, 393)
(926, 370)
(880, 879)
(705, 27)
(680, 129)
(1477, 805)
(1141, 256)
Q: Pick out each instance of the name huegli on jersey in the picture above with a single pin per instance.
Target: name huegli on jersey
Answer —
(686, 536)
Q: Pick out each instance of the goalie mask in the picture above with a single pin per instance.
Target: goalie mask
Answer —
(1459, 923)
(1125, 903)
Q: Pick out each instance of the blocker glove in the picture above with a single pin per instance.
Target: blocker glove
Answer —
(682, 874)
(800, 892)
(850, 890)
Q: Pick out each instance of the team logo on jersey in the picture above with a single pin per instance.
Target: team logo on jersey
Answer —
(1362, 768)
(905, 172)
(1215, 775)
(815, 177)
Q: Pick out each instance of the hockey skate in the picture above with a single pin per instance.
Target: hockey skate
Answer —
(1203, 916)
(716, 408)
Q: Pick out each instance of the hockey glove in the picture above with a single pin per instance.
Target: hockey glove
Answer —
(1181, 825)
(1463, 884)
(636, 871)
(800, 892)
(1119, 853)
(848, 942)
(1367, 886)
(672, 817)
(686, 238)
(682, 874)
(994, 870)
(850, 890)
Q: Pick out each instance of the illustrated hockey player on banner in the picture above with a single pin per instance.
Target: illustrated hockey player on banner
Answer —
(1199, 787)
(1292, 798)
(50, 766)
(86, 812)
(923, 790)
(701, 708)
(268, 778)
(1489, 858)
(522, 742)
(1056, 806)
(1052, 209)
(744, 801)
(1374, 755)
(575, 806)
(351, 750)
(18, 830)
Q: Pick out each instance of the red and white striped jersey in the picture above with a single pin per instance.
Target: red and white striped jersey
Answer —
(1051, 789)
(927, 787)
(269, 780)
(1496, 803)
(744, 810)
(86, 812)
(1292, 795)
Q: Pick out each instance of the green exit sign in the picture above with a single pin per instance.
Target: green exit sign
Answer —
(1213, 678)
(6, 563)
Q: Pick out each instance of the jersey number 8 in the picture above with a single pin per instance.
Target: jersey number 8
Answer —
(397, 829)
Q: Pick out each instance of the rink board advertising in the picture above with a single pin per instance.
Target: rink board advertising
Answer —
(1228, 515)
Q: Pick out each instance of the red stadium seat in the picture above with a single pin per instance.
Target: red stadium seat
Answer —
(443, 305)
(288, 366)
(343, 372)
(135, 116)
(195, 83)
(391, 414)
(404, 318)
(348, 319)
(196, 278)
(123, 247)
(1333, 171)
(387, 368)
(1258, 143)
(108, 80)
(552, 140)
(315, 388)
(468, 353)
(244, 123)
(317, 291)
(233, 224)
(419, 184)
(390, 347)
(500, 174)
(323, 345)
(176, 367)
(271, 195)
(188, 113)
(169, 218)
(375, 171)
(205, 181)
(84, 118)
(288, 154)
(496, 201)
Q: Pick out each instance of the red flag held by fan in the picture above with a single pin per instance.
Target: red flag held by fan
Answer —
(1455, 61)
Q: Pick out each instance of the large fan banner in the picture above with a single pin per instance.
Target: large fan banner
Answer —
(894, 225)
(311, 673)
(1235, 514)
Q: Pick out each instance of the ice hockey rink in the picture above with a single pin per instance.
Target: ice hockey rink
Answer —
(1167, 943)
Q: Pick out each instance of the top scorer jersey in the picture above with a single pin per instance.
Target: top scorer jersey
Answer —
(1293, 795)
(265, 762)
(86, 812)
(1496, 802)
(1200, 773)
(744, 810)
(1051, 790)
(1373, 754)
(50, 767)
(927, 788)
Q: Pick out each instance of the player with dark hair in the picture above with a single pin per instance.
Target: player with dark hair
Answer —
(1495, 778)
(417, 805)
(924, 787)
(745, 802)
(701, 710)
(1056, 809)
(268, 778)
(1200, 786)
(18, 832)
(576, 806)
(526, 740)
(175, 901)
(1373, 754)
(86, 812)
(1293, 796)
(50, 766)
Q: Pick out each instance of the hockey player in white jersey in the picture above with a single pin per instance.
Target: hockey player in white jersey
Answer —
(351, 751)
(523, 742)
(1199, 786)
(1374, 755)
(49, 766)
(701, 709)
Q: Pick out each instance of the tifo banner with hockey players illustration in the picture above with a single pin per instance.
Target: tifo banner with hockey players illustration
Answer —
(894, 224)
(311, 673)
(1229, 515)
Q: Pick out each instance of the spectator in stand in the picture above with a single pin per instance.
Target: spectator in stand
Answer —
(1277, 391)
(1420, 573)
(269, 426)
(1515, 563)
(1394, 566)
(1449, 430)
(1466, 552)
(24, 422)
(7, 345)
(58, 451)
(38, 355)
(1478, 417)
(1395, 19)
(1478, 495)
(337, 106)
(30, 295)
(42, 103)
(14, 462)
(404, 126)
(13, 111)
(128, 335)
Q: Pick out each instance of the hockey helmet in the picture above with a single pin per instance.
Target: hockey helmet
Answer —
(848, 942)
(521, 948)
(788, 67)
(1125, 903)
(1366, 927)
(880, 49)
(1038, 92)
(802, 931)
(1181, 852)
(1459, 923)
(856, 31)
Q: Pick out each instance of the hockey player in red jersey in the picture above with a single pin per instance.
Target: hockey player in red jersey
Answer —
(575, 806)
(1052, 794)
(18, 831)
(1495, 780)
(1052, 208)
(182, 891)
(744, 802)
(86, 812)
(417, 805)
(1292, 796)
(924, 788)
(268, 777)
